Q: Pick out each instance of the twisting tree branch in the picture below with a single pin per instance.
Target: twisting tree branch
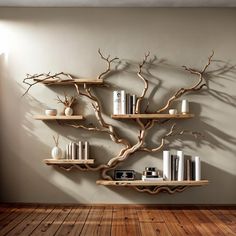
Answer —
(32, 80)
(171, 133)
(108, 61)
(192, 88)
(138, 103)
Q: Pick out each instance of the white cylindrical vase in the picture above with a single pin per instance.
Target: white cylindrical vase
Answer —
(185, 107)
(197, 168)
(180, 156)
(166, 165)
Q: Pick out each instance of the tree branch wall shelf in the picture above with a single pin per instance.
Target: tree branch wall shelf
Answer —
(145, 122)
(152, 116)
(48, 118)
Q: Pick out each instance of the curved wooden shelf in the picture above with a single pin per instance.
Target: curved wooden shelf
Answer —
(69, 82)
(152, 116)
(67, 162)
(152, 183)
(47, 118)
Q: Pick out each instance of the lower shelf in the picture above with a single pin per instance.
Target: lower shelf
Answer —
(67, 162)
(152, 183)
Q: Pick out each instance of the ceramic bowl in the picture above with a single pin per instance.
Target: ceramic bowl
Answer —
(51, 112)
(172, 111)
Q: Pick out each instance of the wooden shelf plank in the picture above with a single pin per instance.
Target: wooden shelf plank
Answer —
(44, 117)
(153, 116)
(151, 183)
(69, 82)
(67, 162)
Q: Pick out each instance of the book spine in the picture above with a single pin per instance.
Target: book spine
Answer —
(197, 169)
(180, 166)
(123, 102)
(67, 151)
(74, 151)
(128, 103)
(86, 150)
(193, 169)
(188, 169)
(172, 167)
(166, 165)
(80, 150)
(116, 99)
(134, 103)
(176, 168)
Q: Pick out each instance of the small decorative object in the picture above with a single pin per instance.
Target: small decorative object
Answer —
(51, 112)
(68, 111)
(56, 152)
(67, 102)
(173, 111)
(150, 174)
(185, 107)
(124, 174)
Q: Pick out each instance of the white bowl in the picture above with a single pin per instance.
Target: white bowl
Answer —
(173, 111)
(51, 112)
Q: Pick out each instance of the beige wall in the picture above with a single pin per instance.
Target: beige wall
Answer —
(43, 40)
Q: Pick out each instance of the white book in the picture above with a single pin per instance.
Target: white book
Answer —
(74, 151)
(116, 102)
(180, 155)
(166, 165)
(123, 102)
(197, 168)
(133, 103)
(86, 150)
(144, 178)
(70, 151)
(80, 150)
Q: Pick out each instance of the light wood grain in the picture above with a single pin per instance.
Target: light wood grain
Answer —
(152, 183)
(67, 162)
(152, 116)
(44, 117)
(74, 81)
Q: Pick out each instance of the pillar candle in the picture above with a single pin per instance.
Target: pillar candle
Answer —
(185, 106)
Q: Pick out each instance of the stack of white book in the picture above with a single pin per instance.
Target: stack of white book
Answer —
(77, 151)
(123, 103)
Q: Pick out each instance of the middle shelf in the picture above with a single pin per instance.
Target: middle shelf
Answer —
(45, 117)
(152, 116)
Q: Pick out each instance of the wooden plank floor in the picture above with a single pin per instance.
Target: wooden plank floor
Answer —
(115, 220)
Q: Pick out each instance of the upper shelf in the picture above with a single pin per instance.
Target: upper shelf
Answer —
(152, 183)
(44, 117)
(69, 82)
(152, 116)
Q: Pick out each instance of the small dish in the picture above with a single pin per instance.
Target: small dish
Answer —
(51, 112)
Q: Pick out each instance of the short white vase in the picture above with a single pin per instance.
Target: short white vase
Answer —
(56, 153)
(68, 111)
